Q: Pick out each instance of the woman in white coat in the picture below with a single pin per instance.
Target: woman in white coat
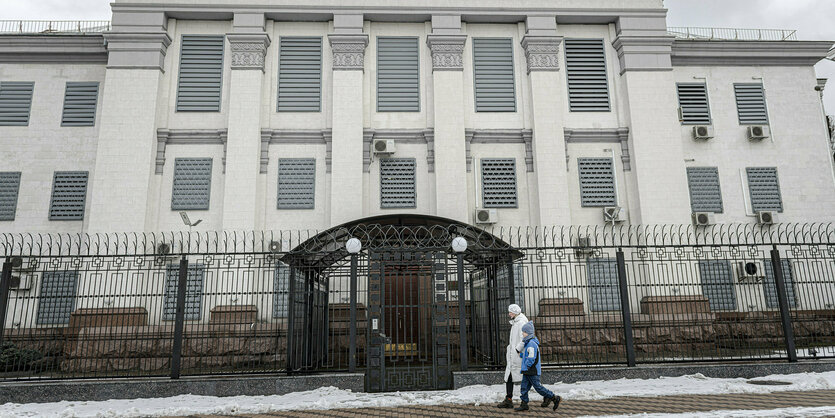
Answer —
(513, 371)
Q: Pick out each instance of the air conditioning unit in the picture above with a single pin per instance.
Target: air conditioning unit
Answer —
(758, 132)
(748, 271)
(703, 218)
(486, 216)
(384, 146)
(614, 214)
(583, 248)
(22, 281)
(275, 246)
(766, 217)
(702, 132)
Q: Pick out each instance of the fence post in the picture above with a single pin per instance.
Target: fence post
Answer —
(462, 317)
(511, 285)
(179, 318)
(291, 318)
(5, 280)
(783, 301)
(352, 333)
(625, 310)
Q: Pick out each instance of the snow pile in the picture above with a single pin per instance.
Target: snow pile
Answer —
(331, 398)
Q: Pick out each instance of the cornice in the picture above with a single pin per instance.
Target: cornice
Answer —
(53, 49)
(748, 53)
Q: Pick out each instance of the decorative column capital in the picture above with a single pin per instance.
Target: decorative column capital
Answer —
(542, 52)
(248, 50)
(447, 52)
(348, 51)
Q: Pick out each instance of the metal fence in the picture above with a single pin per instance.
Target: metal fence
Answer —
(53, 26)
(124, 305)
(733, 34)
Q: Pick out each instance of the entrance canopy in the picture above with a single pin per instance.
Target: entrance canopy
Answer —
(401, 231)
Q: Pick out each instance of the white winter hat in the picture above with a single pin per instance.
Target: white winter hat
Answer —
(514, 309)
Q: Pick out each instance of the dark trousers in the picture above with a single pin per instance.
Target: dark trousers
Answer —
(509, 387)
(529, 381)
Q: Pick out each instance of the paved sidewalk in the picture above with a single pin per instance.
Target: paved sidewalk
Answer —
(573, 408)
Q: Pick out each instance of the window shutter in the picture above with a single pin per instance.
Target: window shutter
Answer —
(201, 73)
(69, 195)
(57, 297)
(770, 284)
(764, 188)
(597, 182)
(718, 284)
(296, 180)
(498, 183)
(604, 287)
(398, 72)
(495, 89)
(588, 87)
(750, 104)
(192, 184)
(281, 291)
(300, 74)
(9, 190)
(705, 193)
(692, 99)
(397, 183)
(194, 292)
(15, 102)
(80, 104)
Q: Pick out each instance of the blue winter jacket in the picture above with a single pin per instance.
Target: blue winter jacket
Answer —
(531, 363)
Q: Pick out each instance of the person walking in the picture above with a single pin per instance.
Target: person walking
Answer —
(532, 369)
(513, 371)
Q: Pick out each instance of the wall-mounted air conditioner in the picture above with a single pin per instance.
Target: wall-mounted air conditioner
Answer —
(613, 214)
(486, 216)
(766, 217)
(758, 132)
(384, 146)
(703, 218)
(702, 132)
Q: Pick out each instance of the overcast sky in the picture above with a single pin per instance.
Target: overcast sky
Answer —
(813, 19)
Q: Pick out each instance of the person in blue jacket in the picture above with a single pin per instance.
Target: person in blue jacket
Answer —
(532, 369)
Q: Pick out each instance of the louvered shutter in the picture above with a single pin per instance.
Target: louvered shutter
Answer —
(281, 291)
(770, 284)
(192, 184)
(69, 195)
(194, 292)
(692, 99)
(56, 300)
(300, 74)
(15, 102)
(604, 288)
(9, 190)
(495, 90)
(397, 183)
(398, 73)
(750, 104)
(498, 183)
(80, 100)
(705, 193)
(597, 182)
(588, 87)
(201, 73)
(718, 284)
(764, 188)
(296, 180)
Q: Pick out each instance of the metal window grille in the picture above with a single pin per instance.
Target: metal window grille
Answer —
(495, 88)
(201, 73)
(194, 292)
(693, 102)
(717, 280)
(192, 184)
(9, 190)
(498, 183)
(764, 189)
(597, 182)
(69, 196)
(80, 100)
(604, 288)
(750, 104)
(281, 291)
(397, 183)
(57, 297)
(705, 193)
(398, 75)
(15, 102)
(300, 74)
(588, 87)
(296, 183)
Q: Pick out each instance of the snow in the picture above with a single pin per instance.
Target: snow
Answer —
(330, 397)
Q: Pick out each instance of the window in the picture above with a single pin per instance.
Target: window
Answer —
(502, 280)
(495, 89)
(692, 100)
(300, 74)
(281, 291)
(57, 297)
(194, 292)
(192, 184)
(69, 195)
(585, 64)
(750, 104)
(296, 179)
(201, 73)
(9, 189)
(398, 75)
(397, 183)
(498, 183)
(604, 287)
(764, 189)
(597, 182)
(705, 194)
(15, 102)
(770, 284)
(718, 284)
(80, 104)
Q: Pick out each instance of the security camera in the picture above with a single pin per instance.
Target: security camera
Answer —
(818, 88)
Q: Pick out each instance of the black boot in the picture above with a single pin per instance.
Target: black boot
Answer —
(522, 407)
(547, 401)
(507, 403)
(557, 400)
